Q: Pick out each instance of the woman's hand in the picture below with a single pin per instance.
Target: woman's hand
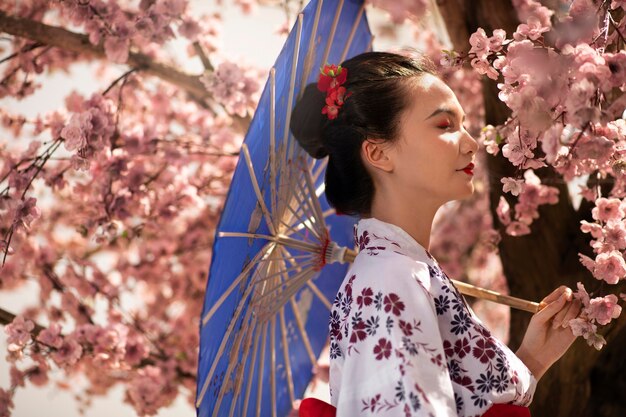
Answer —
(547, 338)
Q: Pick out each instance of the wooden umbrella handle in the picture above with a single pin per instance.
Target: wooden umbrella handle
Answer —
(485, 294)
(478, 292)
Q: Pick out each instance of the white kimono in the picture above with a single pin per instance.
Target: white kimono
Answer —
(403, 341)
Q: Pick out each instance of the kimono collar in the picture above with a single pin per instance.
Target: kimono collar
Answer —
(375, 235)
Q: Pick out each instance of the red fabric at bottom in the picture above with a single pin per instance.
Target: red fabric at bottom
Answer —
(507, 410)
(312, 407)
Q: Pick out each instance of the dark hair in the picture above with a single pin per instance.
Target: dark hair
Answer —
(378, 94)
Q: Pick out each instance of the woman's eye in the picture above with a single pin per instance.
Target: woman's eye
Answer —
(444, 125)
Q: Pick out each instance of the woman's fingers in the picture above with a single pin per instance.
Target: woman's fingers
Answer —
(553, 307)
(557, 320)
(566, 313)
(572, 312)
(554, 295)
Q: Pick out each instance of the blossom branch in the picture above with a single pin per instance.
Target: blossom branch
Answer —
(26, 48)
(62, 38)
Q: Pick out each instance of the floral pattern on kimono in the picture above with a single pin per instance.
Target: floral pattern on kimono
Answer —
(404, 342)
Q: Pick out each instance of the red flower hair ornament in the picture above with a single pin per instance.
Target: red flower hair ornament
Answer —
(330, 82)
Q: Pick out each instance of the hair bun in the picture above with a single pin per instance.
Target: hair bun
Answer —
(307, 121)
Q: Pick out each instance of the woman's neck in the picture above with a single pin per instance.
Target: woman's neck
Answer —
(414, 217)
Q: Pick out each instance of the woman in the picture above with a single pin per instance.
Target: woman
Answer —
(403, 341)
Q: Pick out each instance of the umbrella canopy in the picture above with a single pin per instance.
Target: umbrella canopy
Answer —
(271, 280)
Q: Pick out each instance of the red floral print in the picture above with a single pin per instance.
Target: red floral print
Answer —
(382, 349)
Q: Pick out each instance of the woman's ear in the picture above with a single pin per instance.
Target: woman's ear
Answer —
(377, 153)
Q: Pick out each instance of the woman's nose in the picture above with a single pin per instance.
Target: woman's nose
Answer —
(469, 143)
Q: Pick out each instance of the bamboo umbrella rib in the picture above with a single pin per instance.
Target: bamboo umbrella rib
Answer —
(234, 352)
(270, 276)
(257, 190)
(273, 141)
(304, 189)
(220, 350)
(307, 192)
(295, 283)
(302, 221)
(306, 223)
(302, 330)
(292, 230)
(320, 168)
(239, 377)
(295, 286)
(293, 257)
(252, 365)
(283, 331)
(310, 56)
(273, 369)
(296, 198)
(293, 243)
(300, 276)
(305, 202)
(283, 240)
(355, 25)
(333, 29)
(260, 378)
(289, 226)
(287, 191)
(286, 177)
(299, 322)
(329, 212)
(319, 294)
(316, 202)
(235, 283)
(292, 81)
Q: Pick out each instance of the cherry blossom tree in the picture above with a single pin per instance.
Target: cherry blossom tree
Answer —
(111, 206)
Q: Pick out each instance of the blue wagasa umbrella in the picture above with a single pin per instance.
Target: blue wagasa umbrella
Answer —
(280, 250)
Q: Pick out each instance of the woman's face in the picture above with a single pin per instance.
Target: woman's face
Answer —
(433, 148)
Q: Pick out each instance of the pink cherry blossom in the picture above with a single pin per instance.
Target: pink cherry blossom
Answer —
(610, 266)
(480, 44)
(517, 228)
(51, 336)
(616, 62)
(19, 333)
(608, 209)
(582, 294)
(615, 234)
(26, 212)
(6, 403)
(504, 211)
(594, 228)
(512, 185)
(604, 309)
(400, 10)
(582, 327)
(496, 40)
(68, 353)
(117, 49)
(533, 29)
(483, 67)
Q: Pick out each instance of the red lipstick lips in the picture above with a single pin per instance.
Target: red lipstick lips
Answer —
(469, 169)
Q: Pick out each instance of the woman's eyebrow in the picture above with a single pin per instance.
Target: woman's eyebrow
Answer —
(447, 111)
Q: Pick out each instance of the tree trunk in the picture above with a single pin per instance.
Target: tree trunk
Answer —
(584, 382)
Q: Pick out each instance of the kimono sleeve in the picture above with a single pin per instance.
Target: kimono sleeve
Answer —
(394, 362)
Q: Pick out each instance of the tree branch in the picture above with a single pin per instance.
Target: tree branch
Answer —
(79, 43)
